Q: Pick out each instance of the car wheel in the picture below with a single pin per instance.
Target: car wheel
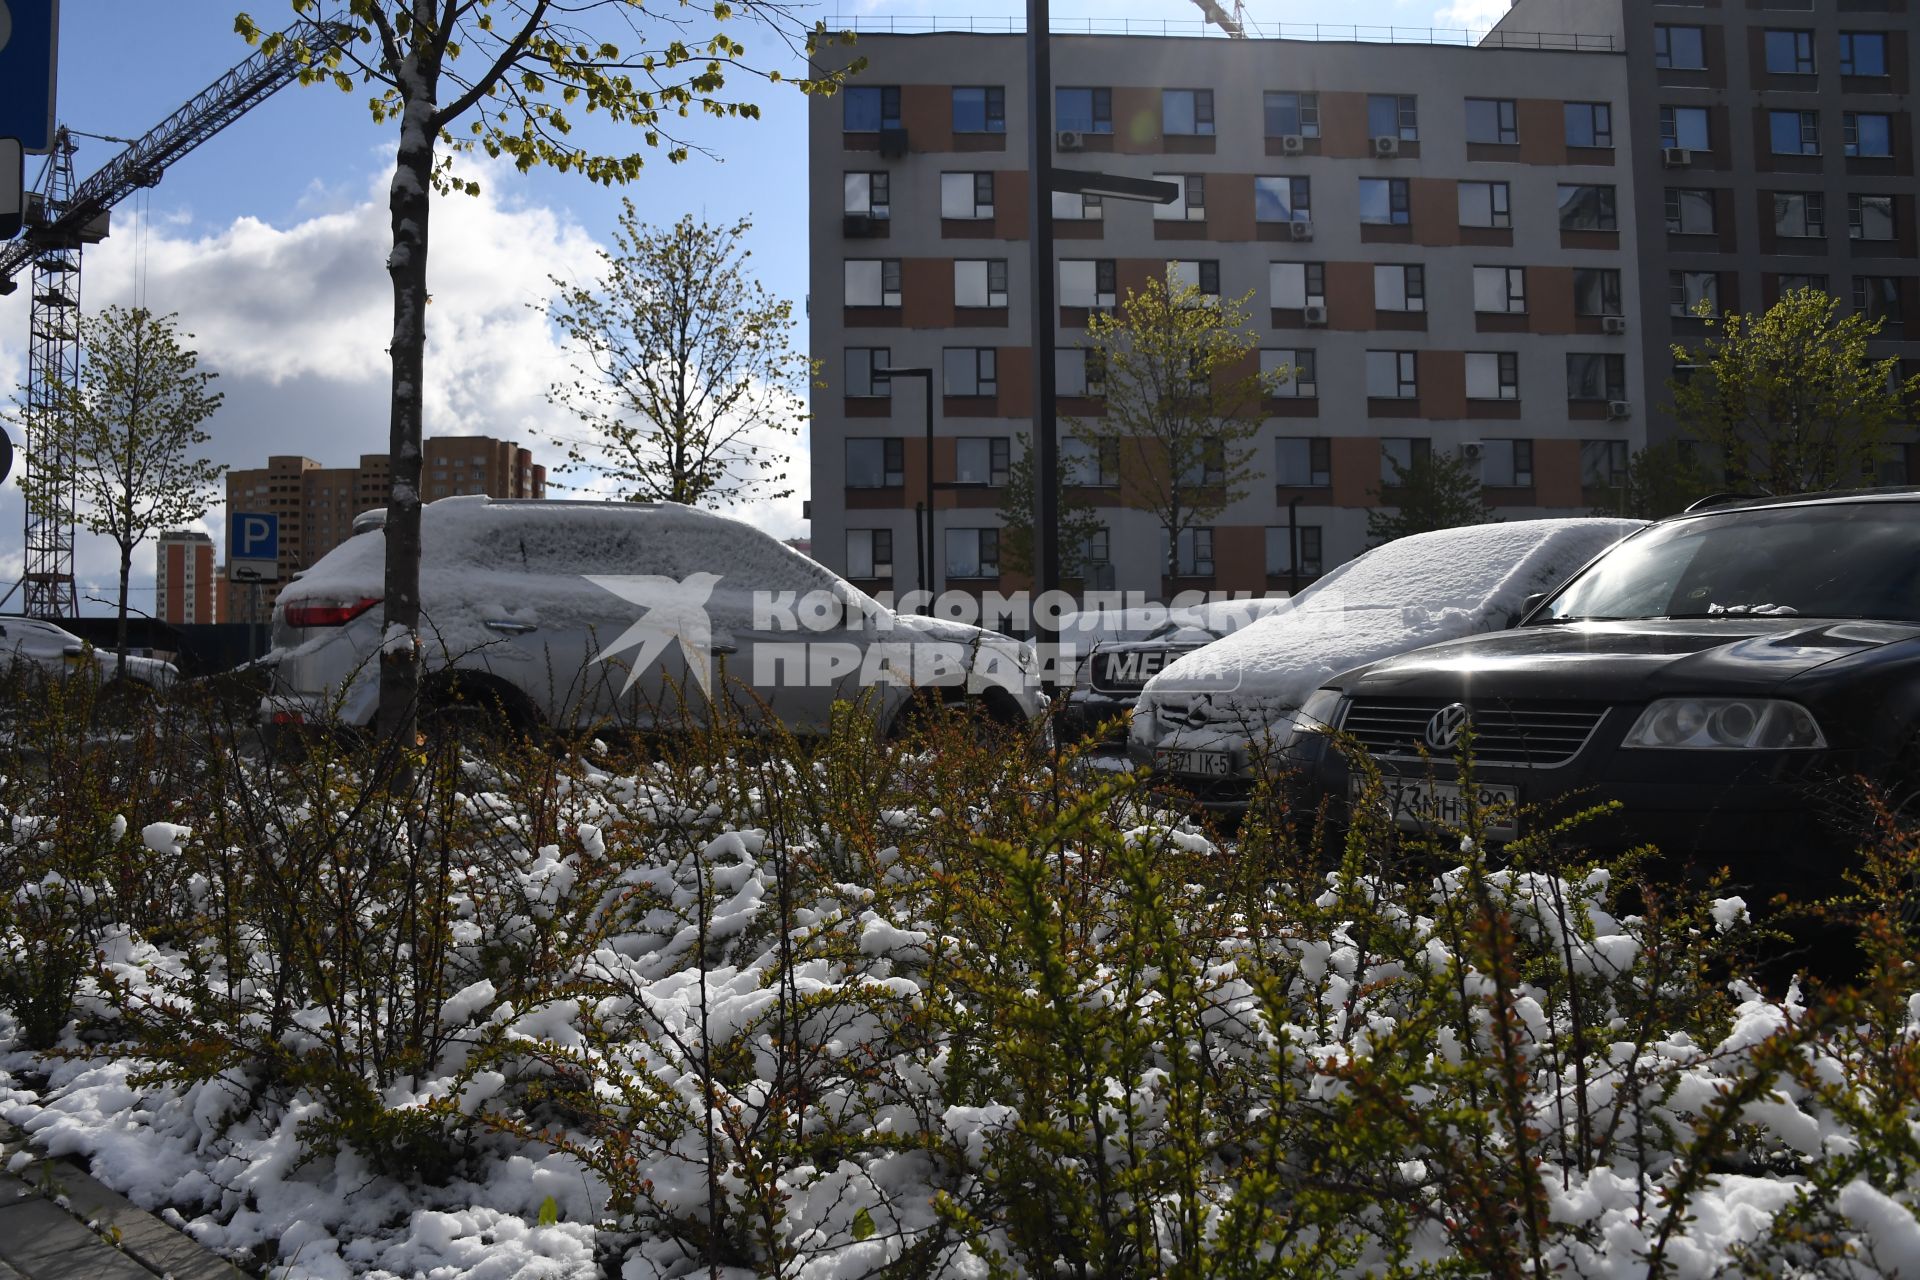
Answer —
(474, 711)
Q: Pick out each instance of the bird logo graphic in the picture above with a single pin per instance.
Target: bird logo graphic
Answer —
(676, 611)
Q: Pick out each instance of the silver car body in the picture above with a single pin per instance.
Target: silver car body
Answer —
(626, 613)
(53, 650)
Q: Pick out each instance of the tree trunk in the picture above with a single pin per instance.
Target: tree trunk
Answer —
(120, 628)
(408, 205)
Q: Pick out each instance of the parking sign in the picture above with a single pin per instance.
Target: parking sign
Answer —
(253, 546)
(28, 46)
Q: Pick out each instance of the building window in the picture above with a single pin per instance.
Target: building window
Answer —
(1790, 53)
(1506, 464)
(1877, 298)
(1393, 115)
(1298, 364)
(980, 282)
(971, 371)
(870, 108)
(1794, 133)
(1799, 214)
(1690, 211)
(1384, 203)
(981, 460)
(1096, 556)
(980, 109)
(1603, 464)
(1283, 200)
(1293, 285)
(871, 194)
(1596, 291)
(876, 462)
(1486, 204)
(1867, 133)
(1392, 375)
(1195, 556)
(1584, 208)
(1292, 113)
(967, 196)
(1500, 289)
(1589, 124)
(1079, 372)
(1280, 550)
(973, 553)
(1594, 376)
(1303, 462)
(1493, 375)
(1202, 274)
(1190, 205)
(1070, 206)
(873, 282)
(1679, 49)
(862, 380)
(870, 554)
(1186, 111)
(1090, 464)
(1399, 455)
(1492, 120)
(1686, 127)
(1870, 217)
(1687, 290)
(1863, 53)
(1087, 282)
(1790, 283)
(1083, 110)
(1400, 288)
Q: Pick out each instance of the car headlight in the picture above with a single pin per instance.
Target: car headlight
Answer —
(1757, 724)
(1318, 712)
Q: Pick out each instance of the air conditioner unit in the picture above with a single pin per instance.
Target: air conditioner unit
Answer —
(1676, 157)
(1069, 140)
(1613, 324)
(1293, 144)
(857, 225)
(893, 143)
(1302, 229)
(1471, 452)
(1314, 313)
(1617, 409)
(1386, 146)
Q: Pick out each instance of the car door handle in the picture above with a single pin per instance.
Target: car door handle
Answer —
(510, 627)
(723, 647)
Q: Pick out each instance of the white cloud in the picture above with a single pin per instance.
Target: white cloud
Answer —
(1475, 15)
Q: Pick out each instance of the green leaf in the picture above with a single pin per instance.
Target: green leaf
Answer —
(862, 1225)
(550, 1213)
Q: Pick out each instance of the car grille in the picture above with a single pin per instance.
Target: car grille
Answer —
(1532, 734)
(1127, 670)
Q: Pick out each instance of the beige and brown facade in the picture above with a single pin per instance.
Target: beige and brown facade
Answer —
(316, 504)
(185, 581)
(1439, 240)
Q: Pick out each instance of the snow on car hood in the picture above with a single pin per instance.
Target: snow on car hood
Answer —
(1409, 593)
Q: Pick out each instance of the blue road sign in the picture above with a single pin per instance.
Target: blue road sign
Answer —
(253, 546)
(29, 40)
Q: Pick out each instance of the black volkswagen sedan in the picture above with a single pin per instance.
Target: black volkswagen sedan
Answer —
(1729, 676)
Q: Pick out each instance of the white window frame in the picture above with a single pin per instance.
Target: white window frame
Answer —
(1486, 204)
(974, 278)
(1393, 375)
(1399, 286)
(866, 280)
(960, 197)
(1493, 375)
(1183, 207)
(1508, 286)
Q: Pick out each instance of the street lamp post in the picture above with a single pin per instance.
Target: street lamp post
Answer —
(925, 567)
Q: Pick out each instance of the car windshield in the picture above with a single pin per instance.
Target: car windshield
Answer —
(1839, 560)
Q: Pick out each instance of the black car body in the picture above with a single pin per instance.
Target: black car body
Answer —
(1111, 677)
(1791, 627)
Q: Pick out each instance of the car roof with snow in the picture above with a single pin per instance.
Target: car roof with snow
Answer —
(1406, 594)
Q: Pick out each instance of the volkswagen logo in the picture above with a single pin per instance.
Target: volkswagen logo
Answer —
(1444, 730)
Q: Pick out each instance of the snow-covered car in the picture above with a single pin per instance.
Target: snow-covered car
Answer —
(629, 614)
(1117, 667)
(1217, 718)
(46, 649)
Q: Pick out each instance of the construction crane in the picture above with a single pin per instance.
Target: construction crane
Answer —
(61, 219)
(1234, 24)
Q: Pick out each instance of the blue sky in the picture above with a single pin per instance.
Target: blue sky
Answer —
(268, 240)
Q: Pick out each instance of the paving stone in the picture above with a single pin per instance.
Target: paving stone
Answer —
(44, 1242)
(152, 1241)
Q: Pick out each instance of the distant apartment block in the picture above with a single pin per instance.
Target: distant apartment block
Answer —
(1441, 241)
(317, 504)
(185, 581)
(1773, 148)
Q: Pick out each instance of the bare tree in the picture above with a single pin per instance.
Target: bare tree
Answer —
(687, 377)
(120, 441)
(510, 74)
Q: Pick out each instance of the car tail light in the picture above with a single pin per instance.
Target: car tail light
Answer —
(328, 613)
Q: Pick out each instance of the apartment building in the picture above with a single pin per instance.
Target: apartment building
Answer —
(1439, 240)
(185, 585)
(317, 504)
(1773, 148)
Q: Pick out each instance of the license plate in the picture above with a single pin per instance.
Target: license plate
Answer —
(1205, 764)
(1420, 803)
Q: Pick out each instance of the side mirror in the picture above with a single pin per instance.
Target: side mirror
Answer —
(1527, 606)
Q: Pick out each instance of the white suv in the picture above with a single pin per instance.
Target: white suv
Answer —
(628, 614)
